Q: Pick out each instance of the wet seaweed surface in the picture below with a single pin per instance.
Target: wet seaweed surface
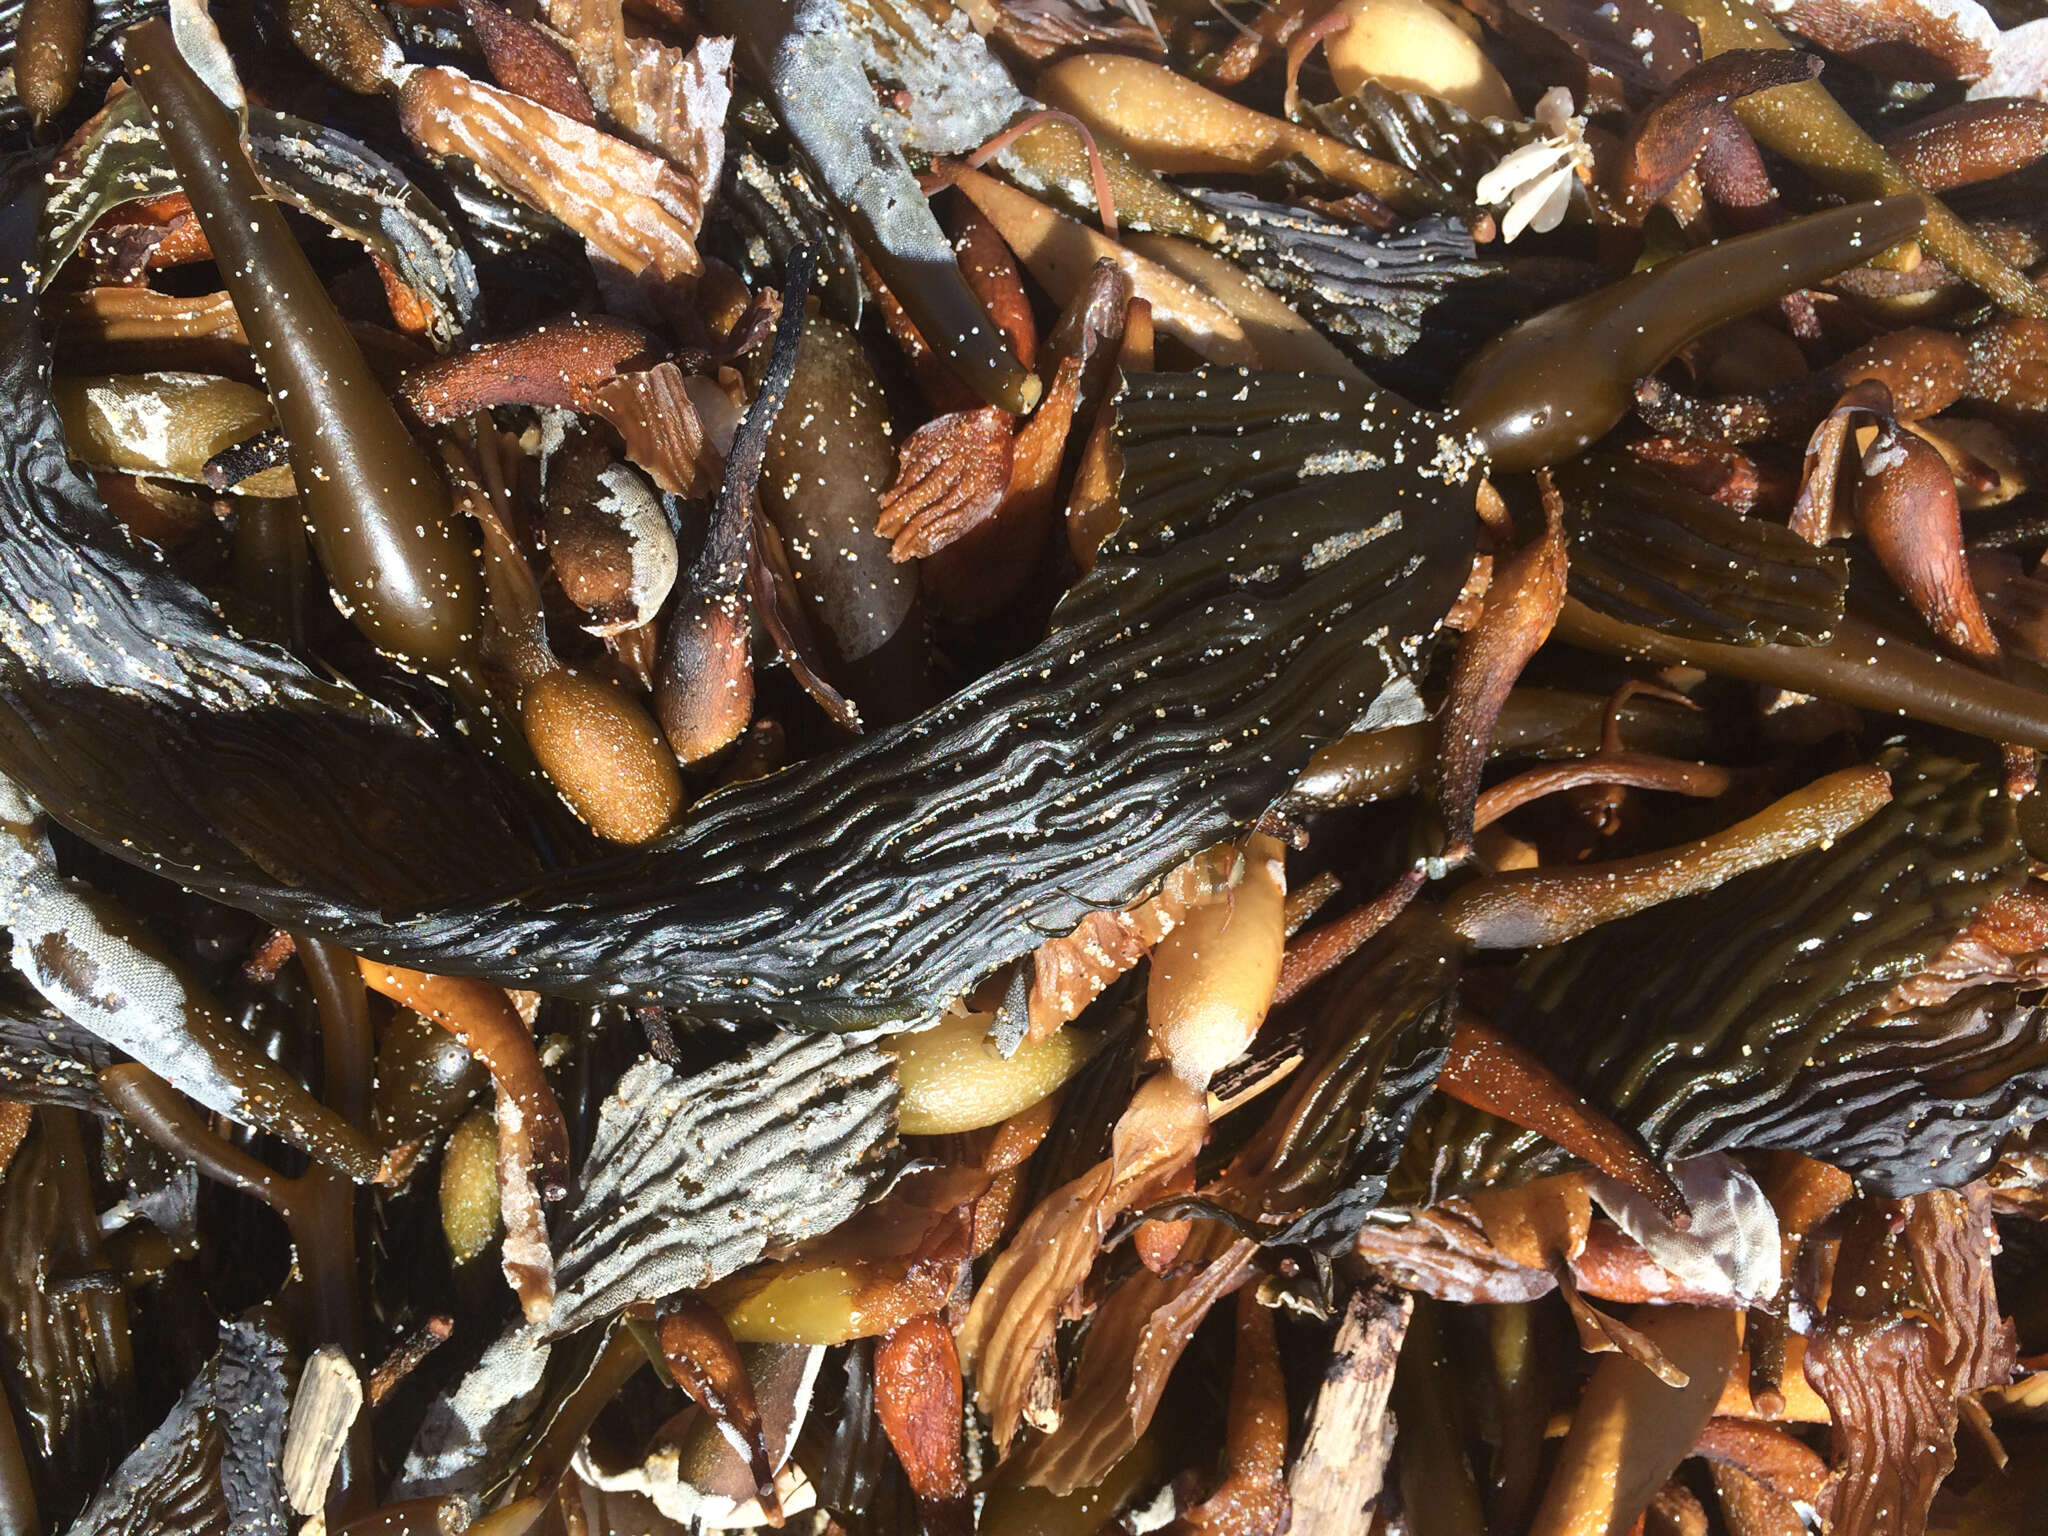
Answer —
(1030, 766)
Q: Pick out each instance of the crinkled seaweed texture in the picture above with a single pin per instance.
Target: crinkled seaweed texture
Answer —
(1376, 293)
(65, 1380)
(1650, 552)
(688, 1180)
(214, 1463)
(692, 1178)
(469, 1441)
(1291, 547)
(1321, 1162)
(1748, 1017)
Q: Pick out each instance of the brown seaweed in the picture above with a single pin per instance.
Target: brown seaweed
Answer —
(1806, 1053)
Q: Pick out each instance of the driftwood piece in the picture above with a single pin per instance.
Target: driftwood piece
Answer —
(1350, 1435)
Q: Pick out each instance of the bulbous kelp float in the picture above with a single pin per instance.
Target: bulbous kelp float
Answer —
(1289, 549)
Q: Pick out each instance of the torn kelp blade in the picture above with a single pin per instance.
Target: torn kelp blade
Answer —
(213, 1464)
(47, 1059)
(1290, 547)
(691, 1178)
(1744, 1018)
(1377, 293)
(1320, 1162)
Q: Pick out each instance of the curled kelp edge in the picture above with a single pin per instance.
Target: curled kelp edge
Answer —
(214, 1462)
(47, 1059)
(1375, 293)
(689, 1178)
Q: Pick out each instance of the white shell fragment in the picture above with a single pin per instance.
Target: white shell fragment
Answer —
(1732, 1245)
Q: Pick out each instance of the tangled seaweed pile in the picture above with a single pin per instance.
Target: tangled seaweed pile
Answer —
(1032, 766)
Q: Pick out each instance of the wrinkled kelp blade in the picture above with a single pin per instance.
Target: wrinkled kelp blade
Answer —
(213, 1464)
(1424, 134)
(766, 210)
(47, 1059)
(1289, 550)
(1646, 551)
(1385, 1032)
(1743, 1018)
(1291, 546)
(692, 1178)
(1375, 292)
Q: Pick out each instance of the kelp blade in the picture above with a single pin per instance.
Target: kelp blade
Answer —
(1424, 134)
(214, 1463)
(1290, 548)
(1377, 294)
(1747, 1017)
(768, 206)
(691, 1178)
(1646, 551)
(1322, 1160)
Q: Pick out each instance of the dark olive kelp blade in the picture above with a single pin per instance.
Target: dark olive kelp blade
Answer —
(1742, 1018)
(1289, 549)
(1322, 1160)
(214, 1463)
(1646, 551)
(1425, 134)
(1376, 293)
(47, 1059)
(767, 209)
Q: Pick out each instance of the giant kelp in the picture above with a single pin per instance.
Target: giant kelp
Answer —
(1754, 1015)
(1377, 292)
(1244, 609)
(1322, 1159)
(1290, 548)
(692, 1178)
